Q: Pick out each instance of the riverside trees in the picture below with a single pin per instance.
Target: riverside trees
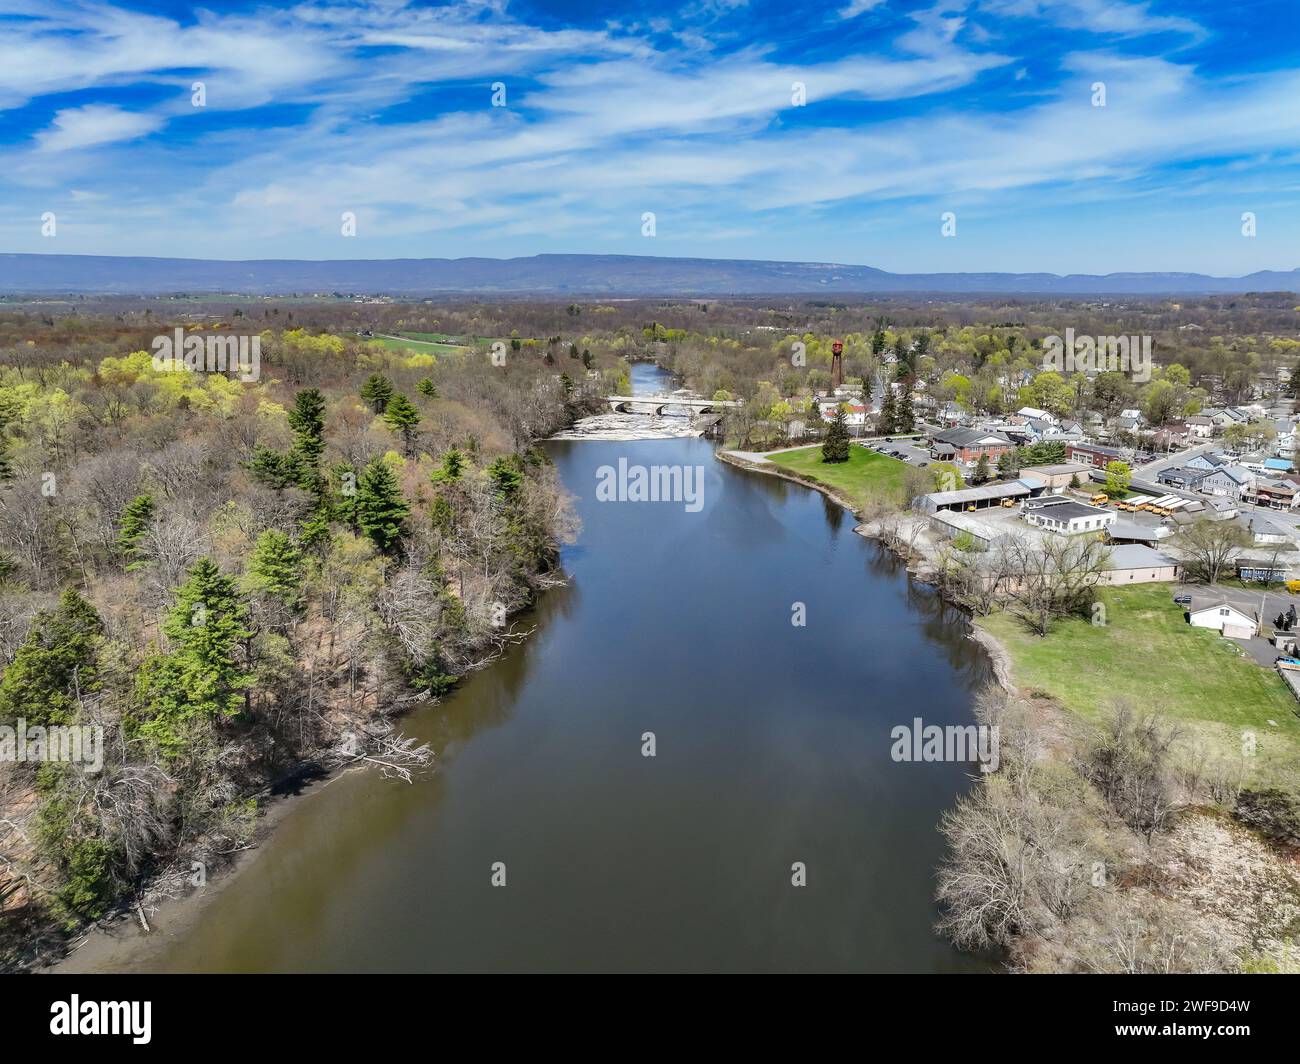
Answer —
(245, 577)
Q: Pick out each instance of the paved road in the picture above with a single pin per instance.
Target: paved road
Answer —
(1168, 461)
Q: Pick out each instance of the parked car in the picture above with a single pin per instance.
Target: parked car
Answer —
(1183, 600)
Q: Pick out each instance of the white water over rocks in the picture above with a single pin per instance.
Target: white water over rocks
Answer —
(628, 427)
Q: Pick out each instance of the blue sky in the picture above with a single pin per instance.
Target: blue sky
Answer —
(385, 109)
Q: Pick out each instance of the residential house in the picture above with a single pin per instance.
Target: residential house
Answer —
(1182, 477)
(1266, 533)
(1209, 461)
(1223, 617)
(1173, 436)
(1275, 494)
(1232, 481)
(1225, 416)
(1065, 432)
(1037, 415)
(855, 415)
(1200, 426)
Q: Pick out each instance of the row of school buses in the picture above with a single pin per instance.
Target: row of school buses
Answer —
(1161, 505)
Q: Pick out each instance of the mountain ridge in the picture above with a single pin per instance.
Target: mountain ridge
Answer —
(576, 275)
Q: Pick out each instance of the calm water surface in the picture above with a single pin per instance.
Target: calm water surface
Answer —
(772, 747)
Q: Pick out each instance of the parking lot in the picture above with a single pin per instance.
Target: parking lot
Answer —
(913, 452)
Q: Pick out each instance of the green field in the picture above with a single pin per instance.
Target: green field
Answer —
(412, 344)
(434, 338)
(1148, 655)
(864, 477)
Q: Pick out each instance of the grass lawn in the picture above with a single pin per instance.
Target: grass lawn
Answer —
(865, 476)
(1150, 656)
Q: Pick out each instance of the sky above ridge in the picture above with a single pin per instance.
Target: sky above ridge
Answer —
(837, 132)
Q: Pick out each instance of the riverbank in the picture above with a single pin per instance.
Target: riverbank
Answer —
(1208, 891)
(544, 750)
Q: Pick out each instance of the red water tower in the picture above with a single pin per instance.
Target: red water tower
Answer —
(837, 364)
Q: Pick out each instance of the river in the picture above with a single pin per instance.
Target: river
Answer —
(772, 746)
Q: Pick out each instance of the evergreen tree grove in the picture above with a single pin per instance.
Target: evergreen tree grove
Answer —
(197, 680)
(54, 666)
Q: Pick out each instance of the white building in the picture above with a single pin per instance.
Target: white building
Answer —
(855, 415)
(1223, 617)
(1055, 513)
(1037, 415)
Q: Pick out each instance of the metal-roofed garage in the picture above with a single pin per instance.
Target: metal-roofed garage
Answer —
(979, 498)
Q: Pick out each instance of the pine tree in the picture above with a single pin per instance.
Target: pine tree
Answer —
(197, 680)
(507, 476)
(343, 494)
(1007, 465)
(814, 417)
(55, 664)
(981, 473)
(381, 508)
(136, 518)
(427, 388)
(401, 416)
(275, 568)
(888, 414)
(905, 417)
(307, 420)
(453, 464)
(835, 448)
(377, 390)
(270, 467)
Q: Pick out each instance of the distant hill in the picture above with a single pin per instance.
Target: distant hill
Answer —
(561, 275)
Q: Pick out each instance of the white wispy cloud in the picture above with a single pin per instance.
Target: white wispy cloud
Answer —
(602, 124)
(93, 125)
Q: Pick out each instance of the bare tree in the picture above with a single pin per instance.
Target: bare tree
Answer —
(1208, 548)
(1052, 577)
(1131, 763)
